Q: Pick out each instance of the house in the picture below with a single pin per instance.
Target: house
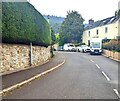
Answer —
(105, 29)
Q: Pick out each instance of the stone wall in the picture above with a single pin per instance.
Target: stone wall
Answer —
(112, 55)
(17, 57)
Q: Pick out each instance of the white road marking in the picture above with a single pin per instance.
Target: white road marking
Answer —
(92, 61)
(97, 66)
(117, 93)
(106, 76)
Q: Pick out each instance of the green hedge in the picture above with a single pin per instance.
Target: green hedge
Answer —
(22, 23)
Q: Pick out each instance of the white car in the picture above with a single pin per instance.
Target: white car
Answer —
(69, 47)
(83, 48)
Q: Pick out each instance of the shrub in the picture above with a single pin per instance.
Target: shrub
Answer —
(22, 23)
(112, 45)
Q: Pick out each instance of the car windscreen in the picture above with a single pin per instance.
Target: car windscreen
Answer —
(96, 44)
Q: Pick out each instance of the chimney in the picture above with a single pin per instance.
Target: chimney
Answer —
(91, 22)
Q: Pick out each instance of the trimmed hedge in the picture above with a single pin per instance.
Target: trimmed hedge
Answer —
(22, 24)
(112, 45)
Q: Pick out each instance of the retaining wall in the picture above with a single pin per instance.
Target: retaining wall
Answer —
(17, 57)
(111, 54)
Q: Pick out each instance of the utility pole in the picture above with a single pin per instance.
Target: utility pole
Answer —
(31, 58)
(51, 50)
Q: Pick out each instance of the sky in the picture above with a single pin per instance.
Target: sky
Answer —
(89, 9)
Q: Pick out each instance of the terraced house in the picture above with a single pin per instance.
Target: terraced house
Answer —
(105, 29)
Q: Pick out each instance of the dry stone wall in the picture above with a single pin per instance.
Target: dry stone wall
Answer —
(17, 57)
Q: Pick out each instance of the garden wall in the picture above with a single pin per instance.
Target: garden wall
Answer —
(111, 54)
(15, 57)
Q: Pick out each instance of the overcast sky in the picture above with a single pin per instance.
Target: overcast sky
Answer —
(89, 9)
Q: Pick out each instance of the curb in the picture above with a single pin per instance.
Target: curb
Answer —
(111, 58)
(18, 85)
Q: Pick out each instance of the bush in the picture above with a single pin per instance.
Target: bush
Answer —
(22, 23)
(105, 40)
(112, 45)
(78, 44)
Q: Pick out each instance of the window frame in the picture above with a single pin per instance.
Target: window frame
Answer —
(97, 31)
(89, 33)
(106, 29)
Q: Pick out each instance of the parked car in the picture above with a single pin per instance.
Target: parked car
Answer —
(60, 48)
(83, 48)
(69, 47)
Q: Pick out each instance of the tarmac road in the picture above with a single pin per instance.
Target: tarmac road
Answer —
(82, 77)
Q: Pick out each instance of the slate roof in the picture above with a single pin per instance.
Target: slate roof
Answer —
(103, 22)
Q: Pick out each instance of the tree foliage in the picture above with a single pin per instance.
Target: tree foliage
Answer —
(55, 22)
(22, 23)
(53, 36)
(72, 28)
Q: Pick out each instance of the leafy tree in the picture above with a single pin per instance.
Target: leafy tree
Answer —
(58, 37)
(53, 37)
(72, 28)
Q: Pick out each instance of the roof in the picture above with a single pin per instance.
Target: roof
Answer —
(103, 22)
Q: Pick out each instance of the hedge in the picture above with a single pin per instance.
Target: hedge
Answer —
(22, 23)
(112, 45)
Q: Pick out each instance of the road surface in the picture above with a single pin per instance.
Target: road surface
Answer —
(83, 76)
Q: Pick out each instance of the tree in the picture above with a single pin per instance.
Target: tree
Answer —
(72, 28)
(54, 40)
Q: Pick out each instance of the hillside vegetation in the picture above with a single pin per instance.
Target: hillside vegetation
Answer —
(55, 22)
(22, 23)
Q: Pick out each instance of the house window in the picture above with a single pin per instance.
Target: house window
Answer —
(97, 32)
(89, 33)
(106, 29)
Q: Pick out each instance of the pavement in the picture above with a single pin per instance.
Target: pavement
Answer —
(18, 77)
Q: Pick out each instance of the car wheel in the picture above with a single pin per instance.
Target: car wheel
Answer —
(85, 51)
